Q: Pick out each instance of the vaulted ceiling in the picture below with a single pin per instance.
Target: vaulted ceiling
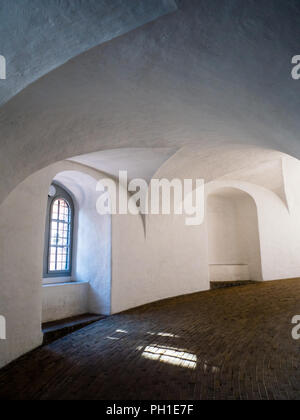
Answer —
(200, 78)
(39, 36)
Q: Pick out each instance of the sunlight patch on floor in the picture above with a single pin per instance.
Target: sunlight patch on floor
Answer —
(164, 334)
(171, 355)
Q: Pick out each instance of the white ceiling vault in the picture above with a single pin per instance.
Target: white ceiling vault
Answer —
(210, 75)
(39, 36)
(138, 162)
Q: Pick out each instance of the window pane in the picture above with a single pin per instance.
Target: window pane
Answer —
(60, 236)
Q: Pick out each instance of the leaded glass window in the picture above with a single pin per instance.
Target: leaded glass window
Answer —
(59, 233)
(60, 236)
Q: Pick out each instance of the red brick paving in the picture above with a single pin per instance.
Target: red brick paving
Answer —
(223, 344)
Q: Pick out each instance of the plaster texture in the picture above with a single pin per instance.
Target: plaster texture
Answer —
(212, 73)
(61, 301)
(37, 37)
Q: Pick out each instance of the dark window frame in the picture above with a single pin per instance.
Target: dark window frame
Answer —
(61, 193)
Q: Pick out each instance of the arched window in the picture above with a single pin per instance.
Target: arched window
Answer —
(59, 234)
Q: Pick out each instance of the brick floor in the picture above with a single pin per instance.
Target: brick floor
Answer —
(223, 344)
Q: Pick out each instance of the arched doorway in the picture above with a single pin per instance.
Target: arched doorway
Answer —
(233, 237)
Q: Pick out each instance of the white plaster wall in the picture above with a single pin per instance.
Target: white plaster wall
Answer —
(224, 238)
(64, 300)
(280, 227)
(233, 237)
(22, 226)
(249, 236)
(228, 273)
(170, 261)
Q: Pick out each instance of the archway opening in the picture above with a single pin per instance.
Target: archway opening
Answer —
(233, 237)
(85, 288)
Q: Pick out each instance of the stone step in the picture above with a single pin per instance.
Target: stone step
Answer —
(224, 284)
(55, 330)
